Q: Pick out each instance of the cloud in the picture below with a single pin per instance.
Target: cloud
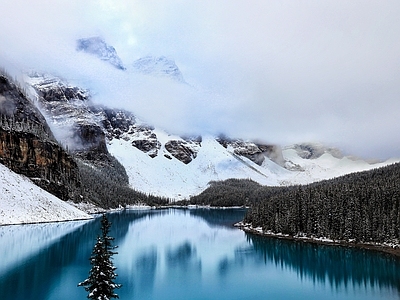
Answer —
(277, 71)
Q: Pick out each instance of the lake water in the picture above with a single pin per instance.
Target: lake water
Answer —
(188, 254)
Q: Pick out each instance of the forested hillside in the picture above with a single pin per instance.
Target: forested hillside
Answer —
(105, 183)
(362, 207)
(231, 192)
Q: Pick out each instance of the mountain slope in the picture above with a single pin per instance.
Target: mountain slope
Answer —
(169, 177)
(21, 201)
(29, 147)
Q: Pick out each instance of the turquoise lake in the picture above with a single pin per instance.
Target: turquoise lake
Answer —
(188, 254)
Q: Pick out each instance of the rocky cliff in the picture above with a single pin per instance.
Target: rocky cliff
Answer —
(27, 145)
(75, 122)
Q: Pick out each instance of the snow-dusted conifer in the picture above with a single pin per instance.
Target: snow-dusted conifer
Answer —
(100, 283)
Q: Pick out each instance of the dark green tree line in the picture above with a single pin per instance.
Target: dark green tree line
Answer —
(361, 207)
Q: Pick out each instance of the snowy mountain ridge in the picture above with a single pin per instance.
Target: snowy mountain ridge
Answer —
(168, 165)
(158, 66)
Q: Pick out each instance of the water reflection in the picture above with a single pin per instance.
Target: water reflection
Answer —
(32, 278)
(181, 256)
(219, 217)
(191, 254)
(335, 266)
(34, 236)
(146, 265)
(36, 256)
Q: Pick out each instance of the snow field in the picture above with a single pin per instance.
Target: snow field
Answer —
(21, 202)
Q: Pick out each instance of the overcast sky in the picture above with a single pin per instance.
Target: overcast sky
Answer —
(277, 71)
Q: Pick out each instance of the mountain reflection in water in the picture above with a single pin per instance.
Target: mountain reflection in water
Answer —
(190, 254)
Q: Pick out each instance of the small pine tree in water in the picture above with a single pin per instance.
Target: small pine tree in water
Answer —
(100, 283)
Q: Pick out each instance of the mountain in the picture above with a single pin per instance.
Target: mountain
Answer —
(29, 147)
(98, 47)
(21, 202)
(163, 164)
(68, 109)
(83, 129)
(81, 151)
(158, 66)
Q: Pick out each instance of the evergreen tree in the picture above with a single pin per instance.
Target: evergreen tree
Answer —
(100, 283)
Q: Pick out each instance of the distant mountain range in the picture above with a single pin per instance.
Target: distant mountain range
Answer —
(85, 152)
(165, 164)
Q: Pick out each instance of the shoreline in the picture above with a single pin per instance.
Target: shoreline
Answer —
(382, 248)
(46, 221)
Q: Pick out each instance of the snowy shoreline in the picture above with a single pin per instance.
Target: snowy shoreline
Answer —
(392, 249)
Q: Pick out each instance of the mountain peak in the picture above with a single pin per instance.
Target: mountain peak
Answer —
(315, 150)
(98, 47)
(158, 66)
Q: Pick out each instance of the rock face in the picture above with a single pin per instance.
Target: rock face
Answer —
(254, 151)
(242, 148)
(249, 150)
(149, 145)
(28, 147)
(45, 162)
(98, 47)
(185, 151)
(75, 122)
(93, 138)
(117, 122)
(120, 124)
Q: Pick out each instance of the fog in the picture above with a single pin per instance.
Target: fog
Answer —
(280, 72)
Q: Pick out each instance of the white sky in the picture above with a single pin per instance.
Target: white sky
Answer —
(278, 71)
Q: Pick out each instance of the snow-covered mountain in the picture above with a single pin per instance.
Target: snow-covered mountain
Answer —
(158, 66)
(69, 141)
(166, 175)
(69, 111)
(98, 47)
(164, 164)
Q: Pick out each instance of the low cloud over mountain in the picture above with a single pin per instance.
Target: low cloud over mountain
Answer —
(281, 72)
